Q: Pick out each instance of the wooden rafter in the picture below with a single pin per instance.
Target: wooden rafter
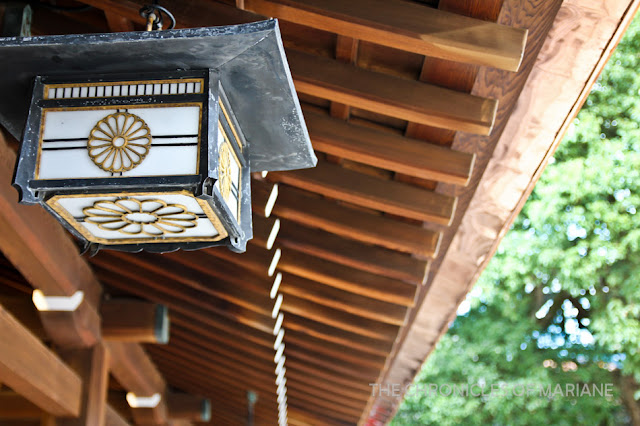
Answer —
(32, 370)
(299, 207)
(388, 150)
(372, 192)
(348, 279)
(363, 306)
(393, 96)
(406, 26)
(331, 247)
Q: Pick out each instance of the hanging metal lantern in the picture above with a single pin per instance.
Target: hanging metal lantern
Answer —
(146, 140)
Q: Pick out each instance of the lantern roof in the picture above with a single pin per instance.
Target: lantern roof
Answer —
(250, 59)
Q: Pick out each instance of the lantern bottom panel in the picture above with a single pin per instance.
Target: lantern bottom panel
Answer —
(141, 217)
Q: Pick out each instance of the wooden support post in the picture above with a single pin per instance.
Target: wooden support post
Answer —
(131, 320)
(32, 370)
(134, 370)
(92, 365)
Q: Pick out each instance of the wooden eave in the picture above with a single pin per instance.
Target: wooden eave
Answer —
(425, 161)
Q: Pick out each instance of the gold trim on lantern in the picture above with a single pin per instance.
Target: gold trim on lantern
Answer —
(231, 126)
(224, 170)
(238, 163)
(120, 216)
(135, 138)
(54, 204)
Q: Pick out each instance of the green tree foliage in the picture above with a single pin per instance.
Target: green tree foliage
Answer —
(560, 301)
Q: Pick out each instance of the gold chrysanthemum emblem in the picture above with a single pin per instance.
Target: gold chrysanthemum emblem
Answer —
(130, 216)
(119, 142)
(224, 170)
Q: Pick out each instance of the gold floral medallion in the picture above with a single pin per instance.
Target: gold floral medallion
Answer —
(224, 170)
(154, 218)
(119, 142)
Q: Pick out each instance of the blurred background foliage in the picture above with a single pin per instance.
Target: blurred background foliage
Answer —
(560, 301)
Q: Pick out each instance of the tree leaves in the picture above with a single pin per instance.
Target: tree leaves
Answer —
(560, 301)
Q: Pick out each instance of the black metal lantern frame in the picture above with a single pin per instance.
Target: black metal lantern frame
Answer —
(249, 120)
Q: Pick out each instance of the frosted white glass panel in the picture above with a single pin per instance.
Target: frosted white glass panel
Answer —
(171, 120)
(173, 150)
(235, 173)
(72, 124)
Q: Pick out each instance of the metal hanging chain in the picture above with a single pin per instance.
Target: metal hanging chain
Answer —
(154, 13)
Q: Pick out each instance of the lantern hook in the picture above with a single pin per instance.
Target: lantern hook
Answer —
(153, 13)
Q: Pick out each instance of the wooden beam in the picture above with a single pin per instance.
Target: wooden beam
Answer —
(183, 299)
(241, 288)
(33, 371)
(346, 51)
(329, 216)
(327, 246)
(45, 255)
(393, 96)
(368, 191)
(132, 320)
(388, 150)
(258, 260)
(356, 304)
(92, 366)
(339, 319)
(299, 343)
(349, 279)
(406, 26)
(337, 335)
(134, 370)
